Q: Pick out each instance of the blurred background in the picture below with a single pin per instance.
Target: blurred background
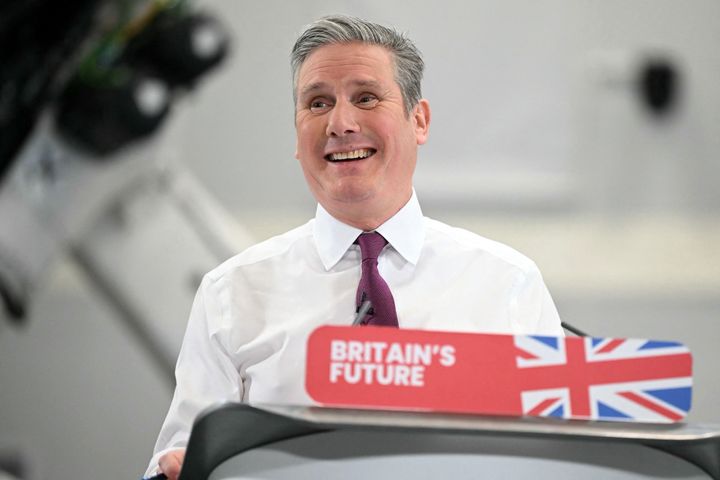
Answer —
(143, 142)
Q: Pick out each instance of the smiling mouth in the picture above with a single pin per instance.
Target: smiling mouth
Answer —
(358, 154)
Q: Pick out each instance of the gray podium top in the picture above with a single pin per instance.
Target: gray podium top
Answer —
(230, 430)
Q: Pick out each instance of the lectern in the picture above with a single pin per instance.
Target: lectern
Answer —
(236, 441)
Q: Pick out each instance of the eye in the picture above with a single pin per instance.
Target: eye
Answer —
(366, 100)
(319, 105)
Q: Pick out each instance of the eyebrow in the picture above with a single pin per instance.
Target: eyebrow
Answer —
(313, 87)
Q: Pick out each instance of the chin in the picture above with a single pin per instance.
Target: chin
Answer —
(353, 192)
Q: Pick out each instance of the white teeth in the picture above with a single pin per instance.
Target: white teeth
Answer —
(353, 155)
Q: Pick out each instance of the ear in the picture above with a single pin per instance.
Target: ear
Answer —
(421, 117)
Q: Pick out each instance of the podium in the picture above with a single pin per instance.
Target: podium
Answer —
(237, 441)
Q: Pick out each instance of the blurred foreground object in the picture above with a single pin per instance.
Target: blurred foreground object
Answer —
(85, 85)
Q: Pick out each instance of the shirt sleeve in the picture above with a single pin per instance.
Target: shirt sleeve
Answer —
(532, 307)
(205, 373)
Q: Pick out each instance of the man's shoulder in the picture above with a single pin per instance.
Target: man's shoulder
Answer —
(462, 240)
(263, 251)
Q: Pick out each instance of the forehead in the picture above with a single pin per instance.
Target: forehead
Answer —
(357, 62)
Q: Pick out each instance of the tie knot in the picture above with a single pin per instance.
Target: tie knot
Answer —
(371, 244)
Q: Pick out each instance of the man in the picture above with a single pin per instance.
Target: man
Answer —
(360, 118)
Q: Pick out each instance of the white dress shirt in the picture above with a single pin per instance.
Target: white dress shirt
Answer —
(249, 324)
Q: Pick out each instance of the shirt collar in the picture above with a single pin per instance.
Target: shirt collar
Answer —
(405, 231)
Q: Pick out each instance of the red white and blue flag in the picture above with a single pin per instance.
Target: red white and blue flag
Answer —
(574, 378)
(607, 378)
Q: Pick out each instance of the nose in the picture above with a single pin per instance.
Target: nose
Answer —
(342, 120)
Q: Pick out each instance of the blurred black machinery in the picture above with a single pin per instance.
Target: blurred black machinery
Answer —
(103, 74)
(123, 88)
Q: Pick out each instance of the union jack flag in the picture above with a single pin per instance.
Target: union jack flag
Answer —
(604, 378)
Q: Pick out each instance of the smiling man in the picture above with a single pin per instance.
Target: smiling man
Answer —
(360, 119)
(357, 139)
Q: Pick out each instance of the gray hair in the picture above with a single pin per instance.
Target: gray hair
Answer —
(335, 29)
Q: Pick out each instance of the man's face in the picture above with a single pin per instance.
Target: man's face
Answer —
(356, 145)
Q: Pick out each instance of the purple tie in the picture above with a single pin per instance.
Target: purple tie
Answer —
(372, 286)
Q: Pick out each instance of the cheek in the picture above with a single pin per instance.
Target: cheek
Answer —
(397, 136)
(309, 138)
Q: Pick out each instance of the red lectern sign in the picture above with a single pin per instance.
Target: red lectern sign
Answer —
(579, 378)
